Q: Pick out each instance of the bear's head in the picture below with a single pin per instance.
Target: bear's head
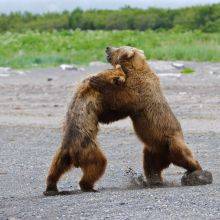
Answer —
(128, 57)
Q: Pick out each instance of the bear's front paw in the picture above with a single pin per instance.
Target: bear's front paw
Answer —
(198, 177)
(118, 81)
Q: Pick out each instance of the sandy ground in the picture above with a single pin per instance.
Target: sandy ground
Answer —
(32, 107)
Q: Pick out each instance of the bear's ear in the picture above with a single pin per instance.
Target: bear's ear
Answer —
(126, 55)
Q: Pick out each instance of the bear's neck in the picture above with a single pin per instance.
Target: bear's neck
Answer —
(140, 67)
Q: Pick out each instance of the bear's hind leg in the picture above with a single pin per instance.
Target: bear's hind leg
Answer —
(181, 155)
(61, 163)
(93, 167)
(154, 163)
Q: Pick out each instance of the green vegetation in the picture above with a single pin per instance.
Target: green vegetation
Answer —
(37, 49)
(31, 40)
(187, 71)
(204, 18)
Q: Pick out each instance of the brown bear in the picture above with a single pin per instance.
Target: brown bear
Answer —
(79, 147)
(154, 122)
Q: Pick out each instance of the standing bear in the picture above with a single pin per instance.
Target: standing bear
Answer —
(154, 122)
(79, 147)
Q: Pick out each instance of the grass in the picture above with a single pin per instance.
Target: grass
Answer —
(35, 49)
(187, 71)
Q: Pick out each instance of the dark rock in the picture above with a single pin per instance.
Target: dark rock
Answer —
(199, 177)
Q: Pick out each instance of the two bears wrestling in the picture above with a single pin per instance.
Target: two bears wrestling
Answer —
(131, 89)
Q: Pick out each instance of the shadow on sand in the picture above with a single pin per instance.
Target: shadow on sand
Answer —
(117, 189)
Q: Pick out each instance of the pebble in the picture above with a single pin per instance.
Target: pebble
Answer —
(178, 65)
(68, 67)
